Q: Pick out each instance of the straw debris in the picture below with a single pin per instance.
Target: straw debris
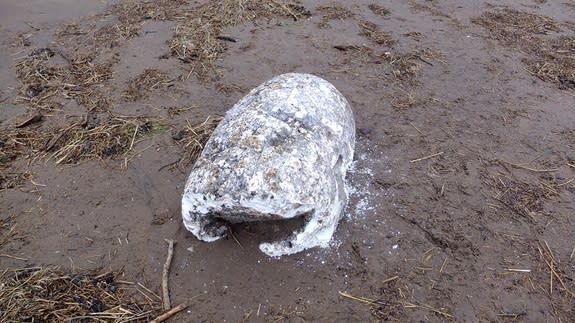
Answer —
(388, 309)
(371, 31)
(96, 139)
(137, 11)
(9, 231)
(398, 70)
(193, 139)
(149, 80)
(229, 88)
(524, 199)
(549, 58)
(197, 38)
(13, 179)
(129, 18)
(48, 294)
(403, 67)
(14, 143)
(510, 25)
(333, 13)
(419, 7)
(47, 76)
(378, 10)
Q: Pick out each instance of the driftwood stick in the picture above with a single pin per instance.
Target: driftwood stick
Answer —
(169, 313)
(165, 272)
(426, 157)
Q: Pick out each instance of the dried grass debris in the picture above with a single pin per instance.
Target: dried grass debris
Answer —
(126, 21)
(371, 31)
(403, 98)
(14, 143)
(334, 12)
(389, 307)
(11, 179)
(378, 10)
(193, 139)
(510, 24)
(95, 137)
(417, 36)
(433, 10)
(114, 35)
(196, 38)
(557, 272)
(149, 80)
(47, 77)
(404, 67)
(553, 61)
(229, 88)
(49, 294)
(9, 231)
(101, 140)
(549, 58)
(523, 198)
(133, 12)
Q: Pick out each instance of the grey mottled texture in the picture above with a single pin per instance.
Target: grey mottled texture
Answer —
(282, 151)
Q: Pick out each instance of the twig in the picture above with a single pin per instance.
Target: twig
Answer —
(359, 299)
(390, 279)
(423, 60)
(226, 38)
(518, 270)
(235, 239)
(13, 257)
(149, 291)
(426, 157)
(552, 272)
(416, 128)
(514, 315)
(165, 290)
(443, 265)
(433, 309)
(31, 26)
(169, 313)
(169, 164)
(569, 181)
(133, 138)
(531, 169)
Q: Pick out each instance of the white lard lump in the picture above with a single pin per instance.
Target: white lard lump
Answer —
(281, 152)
